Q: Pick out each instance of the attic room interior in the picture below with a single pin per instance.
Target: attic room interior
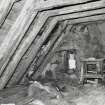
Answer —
(52, 52)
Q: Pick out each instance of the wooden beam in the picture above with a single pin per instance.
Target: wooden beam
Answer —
(90, 19)
(77, 8)
(49, 4)
(5, 7)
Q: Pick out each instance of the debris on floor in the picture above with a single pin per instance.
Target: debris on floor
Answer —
(43, 94)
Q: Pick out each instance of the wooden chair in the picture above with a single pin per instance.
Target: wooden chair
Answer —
(91, 69)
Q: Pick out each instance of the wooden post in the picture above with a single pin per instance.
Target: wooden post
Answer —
(82, 73)
(65, 61)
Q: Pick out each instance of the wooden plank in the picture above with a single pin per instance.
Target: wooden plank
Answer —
(49, 4)
(13, 63)
(5, 7)
(11, 42)
(93, 76)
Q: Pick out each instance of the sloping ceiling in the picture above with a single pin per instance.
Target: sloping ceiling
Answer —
(34, 24)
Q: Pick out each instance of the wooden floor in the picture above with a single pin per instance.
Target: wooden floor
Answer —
(83, 95)
(13, 95)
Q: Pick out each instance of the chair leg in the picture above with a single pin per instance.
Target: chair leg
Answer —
(82, 74)
(96, 82)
